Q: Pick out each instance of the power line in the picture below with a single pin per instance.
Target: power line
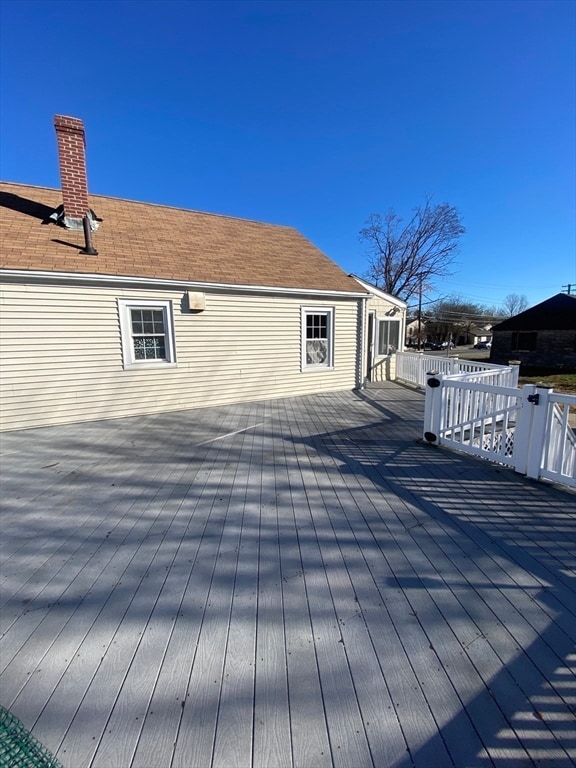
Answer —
(458, 313)
(447, 315)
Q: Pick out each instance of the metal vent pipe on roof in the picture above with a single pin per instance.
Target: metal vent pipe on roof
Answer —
(88, 249)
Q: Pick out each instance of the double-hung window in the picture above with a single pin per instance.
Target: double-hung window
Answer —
(147, 337)
(388, 337)
(317, 337)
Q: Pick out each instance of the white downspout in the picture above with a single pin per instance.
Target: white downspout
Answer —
(362, 368)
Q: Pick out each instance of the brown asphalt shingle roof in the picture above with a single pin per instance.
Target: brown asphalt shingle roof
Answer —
(158, 242)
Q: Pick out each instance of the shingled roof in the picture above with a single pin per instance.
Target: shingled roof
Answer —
(142, 240)
(557, 313)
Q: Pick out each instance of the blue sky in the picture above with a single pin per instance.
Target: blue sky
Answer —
(316, 114)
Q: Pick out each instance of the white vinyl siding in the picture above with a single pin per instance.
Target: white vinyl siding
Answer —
(62, 358)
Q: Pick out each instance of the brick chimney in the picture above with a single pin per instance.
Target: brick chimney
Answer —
(72, 161)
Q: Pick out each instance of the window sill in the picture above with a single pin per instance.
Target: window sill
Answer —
(160, 366)
(317, 368)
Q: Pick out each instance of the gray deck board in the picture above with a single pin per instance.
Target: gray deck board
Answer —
(199, 558)
(272, 747)
(296, 583)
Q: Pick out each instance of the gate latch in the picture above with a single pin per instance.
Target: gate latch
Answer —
(534, 399)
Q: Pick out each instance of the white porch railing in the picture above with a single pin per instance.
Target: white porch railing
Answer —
(412, 367)
(529, 429)
(559, 457)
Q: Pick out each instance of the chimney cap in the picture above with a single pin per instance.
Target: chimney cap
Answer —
(60, 119)
(66, 124)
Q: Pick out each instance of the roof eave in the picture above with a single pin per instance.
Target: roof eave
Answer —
(152, 282)
(374, 290)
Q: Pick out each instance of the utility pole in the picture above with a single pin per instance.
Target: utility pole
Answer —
(569, 288)
(420, 316)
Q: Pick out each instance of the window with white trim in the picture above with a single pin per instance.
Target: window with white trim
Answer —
(147, 337)
(317, 337)
(388, 337)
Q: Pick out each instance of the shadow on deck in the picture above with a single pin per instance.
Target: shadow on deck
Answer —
(517, 524)
(298, 582)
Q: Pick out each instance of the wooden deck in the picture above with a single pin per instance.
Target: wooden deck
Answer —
(295, 582)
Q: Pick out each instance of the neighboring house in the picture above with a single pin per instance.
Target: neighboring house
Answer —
(480, 335)
(412, 329)
(542, 336)
(385, 331)
(114, 308)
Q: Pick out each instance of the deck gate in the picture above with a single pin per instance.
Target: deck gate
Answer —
(528, 428)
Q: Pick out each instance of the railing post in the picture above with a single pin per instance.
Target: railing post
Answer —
(454, 365)
(400, 364)
(433, 408)
(538, 437)
(523, 428)
(515, 365)
(420, 370)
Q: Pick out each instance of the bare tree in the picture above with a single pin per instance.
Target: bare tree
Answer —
(513, 304)
(404, 258)
(454, 319)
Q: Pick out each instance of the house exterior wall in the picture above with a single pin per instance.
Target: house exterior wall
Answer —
(62, 353)
(554, 349)
(384, 366)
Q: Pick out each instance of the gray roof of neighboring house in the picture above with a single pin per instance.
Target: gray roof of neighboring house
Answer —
(557, 313)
